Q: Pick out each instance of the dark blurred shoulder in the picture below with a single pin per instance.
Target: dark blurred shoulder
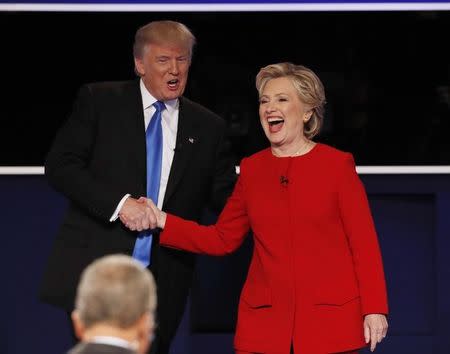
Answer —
(111, 89)
(112, 85)
(200, 113)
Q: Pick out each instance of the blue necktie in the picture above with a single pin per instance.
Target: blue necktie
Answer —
(154, 141)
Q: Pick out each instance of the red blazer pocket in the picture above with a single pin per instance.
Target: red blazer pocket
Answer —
(256, 296)
(338, 301)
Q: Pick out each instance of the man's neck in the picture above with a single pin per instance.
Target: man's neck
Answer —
(105, 330)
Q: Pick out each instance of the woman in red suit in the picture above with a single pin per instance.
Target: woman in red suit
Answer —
(315, 283)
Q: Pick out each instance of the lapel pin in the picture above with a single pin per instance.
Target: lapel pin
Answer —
(191, 140)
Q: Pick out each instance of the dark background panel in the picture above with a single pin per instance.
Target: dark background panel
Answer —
(29, 224)
(386, 75)
(413, 227)
(406, 227)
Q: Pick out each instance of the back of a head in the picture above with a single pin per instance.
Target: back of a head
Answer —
(163, 33)
(115, 290)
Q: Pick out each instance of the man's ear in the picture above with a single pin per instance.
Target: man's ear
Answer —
(139, 65)
(78, 325)
(145, 328)
(146, 324)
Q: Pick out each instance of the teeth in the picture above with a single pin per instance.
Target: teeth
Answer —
(172, 82)
(273, 120)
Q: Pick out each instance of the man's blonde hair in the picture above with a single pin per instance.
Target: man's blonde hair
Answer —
(163, 33)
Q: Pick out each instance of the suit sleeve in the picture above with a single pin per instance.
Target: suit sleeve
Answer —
(220, 239)
(360, 230)
(68, 161)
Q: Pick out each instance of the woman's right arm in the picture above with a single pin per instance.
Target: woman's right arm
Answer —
(220, 239)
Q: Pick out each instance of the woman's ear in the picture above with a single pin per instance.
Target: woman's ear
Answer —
(307, 116)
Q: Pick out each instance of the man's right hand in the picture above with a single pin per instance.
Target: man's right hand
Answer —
(159, 214)
(137, 216)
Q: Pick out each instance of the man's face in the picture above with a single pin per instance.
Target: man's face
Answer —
(164, 70)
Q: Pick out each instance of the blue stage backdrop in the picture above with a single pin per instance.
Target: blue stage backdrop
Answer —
(411, 215)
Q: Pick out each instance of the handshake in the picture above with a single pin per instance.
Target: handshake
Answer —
(141, 214)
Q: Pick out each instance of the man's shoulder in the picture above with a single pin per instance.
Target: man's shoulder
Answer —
(110, 92)
(95, 348)
(191, 108)
(111, 86)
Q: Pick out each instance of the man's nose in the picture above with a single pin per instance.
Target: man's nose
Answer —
(174, 67)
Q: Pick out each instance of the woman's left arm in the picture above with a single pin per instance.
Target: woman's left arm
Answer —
(360, 230)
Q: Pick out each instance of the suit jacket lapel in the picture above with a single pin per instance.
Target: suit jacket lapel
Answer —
(187, 139)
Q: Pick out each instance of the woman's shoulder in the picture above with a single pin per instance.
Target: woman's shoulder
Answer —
(333, 161)
(332, 154)
(256, 160)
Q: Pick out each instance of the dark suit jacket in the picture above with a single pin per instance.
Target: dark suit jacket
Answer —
(96, 348)
(98, 156)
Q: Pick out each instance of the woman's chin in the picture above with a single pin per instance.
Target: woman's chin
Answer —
(273, 138)
(276, 141)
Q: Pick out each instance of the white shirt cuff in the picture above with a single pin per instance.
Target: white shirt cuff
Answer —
(119, 206)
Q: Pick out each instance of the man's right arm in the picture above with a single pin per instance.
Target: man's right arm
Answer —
(67, 164)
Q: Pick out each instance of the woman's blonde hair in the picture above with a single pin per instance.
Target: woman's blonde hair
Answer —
(309, 88)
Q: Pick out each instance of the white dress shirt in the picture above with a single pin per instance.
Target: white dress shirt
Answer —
(169, 123)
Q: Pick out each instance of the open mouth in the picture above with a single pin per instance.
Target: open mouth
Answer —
(275, 121)
(173, 84)
(275, 124)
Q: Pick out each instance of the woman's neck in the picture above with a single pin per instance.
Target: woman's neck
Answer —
(296, 149)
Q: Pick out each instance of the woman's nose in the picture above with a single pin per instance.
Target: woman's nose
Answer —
(270, 107)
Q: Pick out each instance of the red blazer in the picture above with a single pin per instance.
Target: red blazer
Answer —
(316, 268)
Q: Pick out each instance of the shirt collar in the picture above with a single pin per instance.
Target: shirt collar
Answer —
(148, 99)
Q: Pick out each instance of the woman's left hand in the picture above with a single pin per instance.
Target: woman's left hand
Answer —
(375, 329)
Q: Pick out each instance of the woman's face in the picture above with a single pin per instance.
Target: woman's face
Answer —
(282, 114)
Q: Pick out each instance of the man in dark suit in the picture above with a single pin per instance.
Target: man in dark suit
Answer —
(115, 307)
(104, 158)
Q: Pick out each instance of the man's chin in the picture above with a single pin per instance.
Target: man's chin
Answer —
(171, 95)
